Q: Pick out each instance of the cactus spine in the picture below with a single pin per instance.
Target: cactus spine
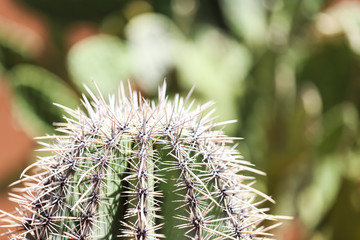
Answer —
(121, 169)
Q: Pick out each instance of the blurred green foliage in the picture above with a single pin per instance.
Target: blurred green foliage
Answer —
(289, 71)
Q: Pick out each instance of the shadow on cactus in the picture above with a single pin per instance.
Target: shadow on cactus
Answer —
(128, 168)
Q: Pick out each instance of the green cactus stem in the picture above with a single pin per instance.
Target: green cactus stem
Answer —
(129, 168)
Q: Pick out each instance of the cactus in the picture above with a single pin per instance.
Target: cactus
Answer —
(134, 169)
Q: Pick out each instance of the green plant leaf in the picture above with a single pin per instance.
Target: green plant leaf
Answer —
(151, 42)
(35, 91)
(248, 19)
(319, 196)
(217, 65)
(103, 59)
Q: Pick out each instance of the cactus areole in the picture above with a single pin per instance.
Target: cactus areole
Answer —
(129, 168)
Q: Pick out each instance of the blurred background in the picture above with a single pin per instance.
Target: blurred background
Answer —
(288, 70)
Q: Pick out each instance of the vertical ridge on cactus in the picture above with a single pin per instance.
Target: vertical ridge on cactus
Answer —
(112, 171)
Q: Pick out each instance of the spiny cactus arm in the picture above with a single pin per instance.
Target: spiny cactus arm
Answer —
(106, 177)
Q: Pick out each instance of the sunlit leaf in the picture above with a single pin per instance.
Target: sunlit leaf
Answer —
(343, 17)
(35, 90)
(151, 42)
(318, 197)
(103, 59)
(218, 66)
(248, 19)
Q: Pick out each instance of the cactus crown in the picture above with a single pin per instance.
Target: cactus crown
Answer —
(121, 169)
